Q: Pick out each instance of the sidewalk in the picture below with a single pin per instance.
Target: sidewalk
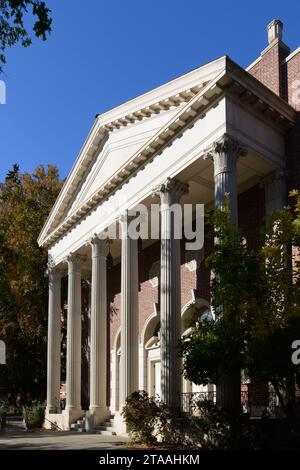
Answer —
(17, 438)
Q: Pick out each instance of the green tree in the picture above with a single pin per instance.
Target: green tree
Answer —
(255, 297)
(25, 202)
(215, 350)
(273, 328)
(12, 28)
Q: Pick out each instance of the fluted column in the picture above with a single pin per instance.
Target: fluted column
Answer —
(73, 399)
(170, 292)
(225, 153)
(54, 341)
(129, 312)
(275, 190)
(98, 346)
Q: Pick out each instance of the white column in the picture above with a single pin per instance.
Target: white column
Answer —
(275, 191)
(98, 351)
(113, 381)
(225, 154)
(129, 312)
(170, 291)
(73, 399)
(54, 341)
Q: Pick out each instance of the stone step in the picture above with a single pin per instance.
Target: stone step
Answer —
(75, 426)
(106, 433)
(104, 427)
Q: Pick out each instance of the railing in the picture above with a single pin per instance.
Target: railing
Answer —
(190, 400)
(54, 426)
(256, 405)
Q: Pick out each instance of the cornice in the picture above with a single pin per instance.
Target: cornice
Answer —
(232, 78)
(96, 139)
(146, 153)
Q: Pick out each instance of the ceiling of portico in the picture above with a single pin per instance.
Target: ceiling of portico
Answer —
(251, 169)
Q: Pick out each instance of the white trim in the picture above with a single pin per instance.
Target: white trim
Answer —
(153, 315)
(194, 300)
(190, 79)
(289, 57)
(118, 332)
(253, 63)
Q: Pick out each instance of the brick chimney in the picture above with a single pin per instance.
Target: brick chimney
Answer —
(279, 70)
(268, 67)
(275, 31)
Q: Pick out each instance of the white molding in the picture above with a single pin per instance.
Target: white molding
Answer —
(256, 61)
(289, 57)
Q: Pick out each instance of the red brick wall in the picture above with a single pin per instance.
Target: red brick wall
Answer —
(149, 295)
(293, 137)
(269, 70)
(278, 75)
(293, 74)
(251, 214)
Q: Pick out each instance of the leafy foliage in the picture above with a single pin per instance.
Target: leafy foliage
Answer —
(34, 414)
(25, 202)
(12, 28)
(140, 413)
(255, 298)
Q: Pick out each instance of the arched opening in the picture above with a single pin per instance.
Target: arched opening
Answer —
(149, 352)
(195, 311)
(149, 377)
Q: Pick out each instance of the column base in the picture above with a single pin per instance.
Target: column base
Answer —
(53, 421)
(51, 409)
(99, 414)
(120, 425)
(70, 415)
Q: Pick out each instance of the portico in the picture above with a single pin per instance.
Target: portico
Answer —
(213, 131)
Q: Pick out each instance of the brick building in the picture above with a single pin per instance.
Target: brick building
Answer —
(217, 129)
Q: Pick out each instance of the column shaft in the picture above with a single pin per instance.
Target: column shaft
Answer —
(170, 291)
(129, 313)
(225, 154)
(54, 342)
(73, 401)
(98, 354)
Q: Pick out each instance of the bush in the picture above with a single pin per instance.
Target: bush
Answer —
(177, 428)
(141, 413)
(147, 420)
(34, 414)
(213, 425)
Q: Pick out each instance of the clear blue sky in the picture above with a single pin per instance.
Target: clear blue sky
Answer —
(104, 52)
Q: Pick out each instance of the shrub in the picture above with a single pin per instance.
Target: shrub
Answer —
(177, 428)
(213, 425)
(34, 414)
(141, 413)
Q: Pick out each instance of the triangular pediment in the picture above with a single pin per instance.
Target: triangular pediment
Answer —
(114, 152)
(125, 138)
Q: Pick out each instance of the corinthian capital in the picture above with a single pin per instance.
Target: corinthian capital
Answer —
(54, 273)
(228, 144)
(171, 189)
(98, 245)
(75, 261)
